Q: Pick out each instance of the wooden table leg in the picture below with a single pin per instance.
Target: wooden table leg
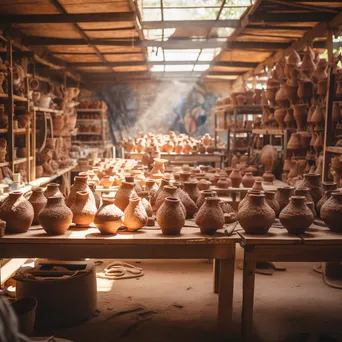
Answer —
(249, 266)
(225, 296)
(216, 272)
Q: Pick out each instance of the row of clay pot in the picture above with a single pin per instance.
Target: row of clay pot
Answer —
(248, 97)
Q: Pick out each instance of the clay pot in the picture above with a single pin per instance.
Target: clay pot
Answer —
(123, 195)
(256, 216)
(305, 89)
(192, 190)
(144, 197)
(279, 115)
(17, 212)
(135, 216)
(248, 180)
(268, 177)
(83, 209)
(165, 191)
(318, 116)
(108, 219)
(258, 186)
(293, 58)
(296, 217)
(322, 87)
(38, 202)
(56, 217)
(210, 216)
(168, 146)
(203, 184)
(243, 201)
(294, 142)
(304, 192)
(58, 122)
(204, 194)
(283, 196)
(79, 185)
(226, 207)
(241, 99)
(308, 65)
(223, 183)
(170, 216)
(314, 183)
(331, 212)
(185, 176)
(158, 167)
(329, 187)
(190, 206)
(272, 202)
(206, 139)
(289, 119)
(300, 115)
(154, 196)
(98, 199)
(236, 178)
(291, 92)
(106, 181)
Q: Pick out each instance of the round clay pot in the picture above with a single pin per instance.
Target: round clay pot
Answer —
(106, 181)
(123, 195)
(331, 212)
(329, 187)
(314, 183)
(170, 216)
(236, 178)
(283, 196)
(243, 201)
(98, 198)
(294, 142)
(108, 218)
(83, 210)
(210, 216)
(268, 157)
(268, 177)
(279, 115)
(79, 185)
(272, 202)
(248, 180)
(296, 217)
(144, 197)
(166, 191)
(300, 115)
(204, 194)
(256, 216)
(184, 176)
(300, 191)
(289, 119)
(17, 212)
(318, 116)
(192, 190)
(258, 186)
(56, 217)
(203, 184)
(52, 189)
(135, 216)
(38, 202)
(163, 182)
(190, 206)
(223, 183)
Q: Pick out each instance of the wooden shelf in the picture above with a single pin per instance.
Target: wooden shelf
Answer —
(19, 161)
(268, 131)
(88, 133)
(21, 131)
(334, 149)
(2, 164)
(221, 130)
(3, 130)
(245, 109)
(90, 110)
(90, 120)
(47, 110)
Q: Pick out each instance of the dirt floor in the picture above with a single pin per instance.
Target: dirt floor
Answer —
(174, 301)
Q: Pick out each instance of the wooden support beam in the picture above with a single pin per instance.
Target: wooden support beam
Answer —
(270, 26)
(190, 23)
(18, 54)
(292, 17)
(65, 18)
(37, 41)
(225, 73)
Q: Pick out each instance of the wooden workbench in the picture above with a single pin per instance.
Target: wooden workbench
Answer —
(143, 244)
(318, 244)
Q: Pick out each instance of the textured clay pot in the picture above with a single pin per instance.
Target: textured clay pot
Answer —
(329, 187)
(52, 189)
(190, 206)
(56, 217)
(210, 216)
(38, 202)
(203, 184)
(108, 219)
(154, 196)
(204, 194)
(296, 217)
(256, 216)
(144, 197)
(166, 191)
(331, 212)
(123, 195)
(283, 196)
(192, 190)
(258, 186)
(223, 183)
(272, 202)
(300, 115)
(79, 185)
(83, 210)
(17, 212)
(98, 199)
(248, 180)
(314, 183)
(135, 216)
(236, 178)
(170, 216)
(243, 201)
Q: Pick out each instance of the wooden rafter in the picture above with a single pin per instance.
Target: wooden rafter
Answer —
(303, 6)
(190, 23)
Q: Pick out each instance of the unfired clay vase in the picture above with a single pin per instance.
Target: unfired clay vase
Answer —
(256, 216)
(296, 217)
(144, 196)
(258, 186)
(243, 201)
(79, 185)
(210, 216)
(83, 209)
(108, 219)
(223, 183)
(248, 180)
(203, 184)
(166, 191)
(98, 199)
(190, 206)
(236, 178)
(135, 216)
(17, 212)
(123, 195)
(192, 190)
(272, 202)
(283, 196)
(158, 167)
(329, 187)
(204, 194)
(154, 196)
(106, 181)
(38, 202)
(52, 189)
(314, 183)
(56, 217)
(331, 212)
(170, 216)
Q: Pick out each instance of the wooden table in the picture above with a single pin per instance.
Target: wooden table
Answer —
(319, 244)
(143, 244)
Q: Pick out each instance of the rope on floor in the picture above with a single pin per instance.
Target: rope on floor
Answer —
(117, 270)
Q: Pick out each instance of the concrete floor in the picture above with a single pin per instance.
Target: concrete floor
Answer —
(174, 301)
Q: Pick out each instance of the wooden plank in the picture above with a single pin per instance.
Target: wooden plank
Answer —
(291, 17)
(190, 23)
(334, 149)
(321, 235)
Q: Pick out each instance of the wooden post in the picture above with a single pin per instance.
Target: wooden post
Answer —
(10, 106)
(330, 46)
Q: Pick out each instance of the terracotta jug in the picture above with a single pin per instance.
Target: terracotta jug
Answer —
(331, 212)
(294, 142)
(17, 212)
(106, 181)
(243, 201)
(300, 115)
(166, 191)
(308, 65)
(329, 187)
(144, 197)
(296, 217)
(192, 190)
(283, 196)
(190, 206)
(256, 216)
(79, 185)
(135, 216)
(289, 119)
(170, 216)
(279, 115)
(56, 217)
(203, 184)
(268, 177)
(158, 167)
(98, 198)
(83, 210)
(38, 202)
(236, 178)
(318, 116)
(248, 180)
(272, 202)
(108, 219)
(52, 189)
(314, 183)
(204, 194)
(210, 216)
(123, 195)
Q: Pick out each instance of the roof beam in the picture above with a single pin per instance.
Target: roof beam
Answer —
(291, 17)
(270, 26)
(65, 18)
(190, 23)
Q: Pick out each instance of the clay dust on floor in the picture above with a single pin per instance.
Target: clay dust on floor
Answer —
(174, 301)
